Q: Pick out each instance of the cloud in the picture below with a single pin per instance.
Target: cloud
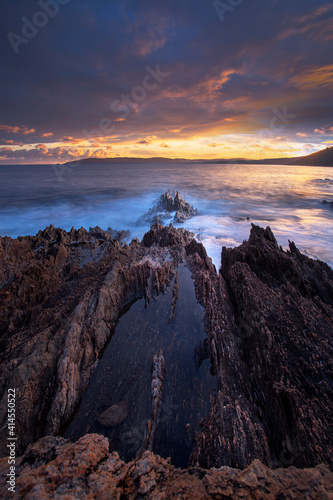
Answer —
(164, 145)
(21, 130)
(301, 134)
(11, 142)
(326, 130)
(314, 78)
(144, 141)
(223, 83)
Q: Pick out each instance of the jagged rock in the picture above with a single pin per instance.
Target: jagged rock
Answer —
(270, 317)
(108, 235)
(57, 316)
(115, 415)
(269, 323)
(166, 206)
(174, 298)
(157, 382)
(158, 371)
(87, 470)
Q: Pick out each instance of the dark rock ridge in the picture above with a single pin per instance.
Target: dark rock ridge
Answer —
(166, 206)
(57, 314)
(156, 395)
(269, 323)
(55, 468)
(269, 317)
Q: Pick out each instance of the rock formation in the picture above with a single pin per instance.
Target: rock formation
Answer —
(269, 323)
(55, 468)
(168, 205)
(174, 298)
(158, 370)
(57, 314)
(269, 316)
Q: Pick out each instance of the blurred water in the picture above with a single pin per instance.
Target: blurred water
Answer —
(125, 374)
(285, 197)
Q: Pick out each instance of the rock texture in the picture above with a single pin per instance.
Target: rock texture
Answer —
(269, 315)
(61, 295)
(54, 468)
(269, 323)
(158, 371)
(167, 205)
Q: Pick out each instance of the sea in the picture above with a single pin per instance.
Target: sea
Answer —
(228, 198)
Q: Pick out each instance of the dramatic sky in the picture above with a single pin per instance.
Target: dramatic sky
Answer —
(176, 78)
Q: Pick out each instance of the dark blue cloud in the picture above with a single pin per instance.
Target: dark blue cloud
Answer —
(64, 79)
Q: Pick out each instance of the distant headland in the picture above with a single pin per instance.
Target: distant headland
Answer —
(322, 158)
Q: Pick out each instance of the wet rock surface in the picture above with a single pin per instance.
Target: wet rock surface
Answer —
(57, 315)
(269, 322)
(87, 469)
(115, 415)
(167, 205)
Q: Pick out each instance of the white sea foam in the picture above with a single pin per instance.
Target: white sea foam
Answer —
(228, 198)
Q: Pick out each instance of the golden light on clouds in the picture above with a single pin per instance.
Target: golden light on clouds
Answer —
(311, 78)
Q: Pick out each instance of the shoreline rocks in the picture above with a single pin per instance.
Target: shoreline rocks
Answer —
(269, 323)
(168, 204)
(56, 468)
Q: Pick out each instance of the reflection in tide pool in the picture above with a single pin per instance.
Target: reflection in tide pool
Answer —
(229, 198)
(124, 374)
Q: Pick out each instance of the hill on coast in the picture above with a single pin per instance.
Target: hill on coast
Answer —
(322, 158)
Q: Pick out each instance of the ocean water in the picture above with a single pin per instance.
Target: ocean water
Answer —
(228, 198)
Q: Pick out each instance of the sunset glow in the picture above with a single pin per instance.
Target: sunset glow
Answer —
(157, 80)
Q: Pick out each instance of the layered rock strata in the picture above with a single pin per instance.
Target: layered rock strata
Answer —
(57, 315)
(269, 323)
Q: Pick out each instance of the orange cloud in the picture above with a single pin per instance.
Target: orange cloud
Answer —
(23, 130)
(47, 134)
(324, 131)
(312, 78)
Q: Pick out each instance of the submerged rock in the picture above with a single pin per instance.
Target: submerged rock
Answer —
(115, 415)
(166, 206)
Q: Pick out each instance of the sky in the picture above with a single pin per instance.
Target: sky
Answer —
(175, 78)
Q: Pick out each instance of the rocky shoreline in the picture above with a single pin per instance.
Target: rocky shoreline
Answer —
(269, 324)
